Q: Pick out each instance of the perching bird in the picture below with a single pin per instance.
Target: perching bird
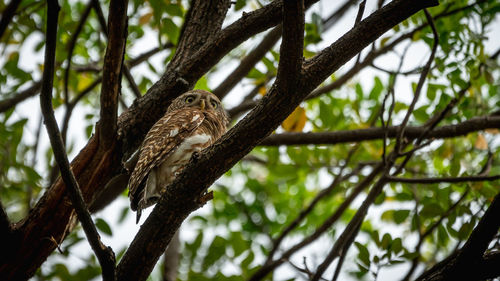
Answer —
(193, 121)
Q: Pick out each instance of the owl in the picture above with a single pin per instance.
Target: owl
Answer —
(193, 121)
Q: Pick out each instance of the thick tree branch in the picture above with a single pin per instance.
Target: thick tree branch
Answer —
(444, 179)
(6, 104)
(371, 56)
(7, 15)
(111, 73)
(470, 261)
(411, 132)
(199, 27)
(105, 255)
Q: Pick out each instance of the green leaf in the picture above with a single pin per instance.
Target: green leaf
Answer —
(238, 243)
(363, 254)
(431, 210)
(240, 4)
(397, 245)
(377, 89)
(401, 215)
(215, 251)
(171, 30)
(103, 226)
(174, 10)
(386, 241)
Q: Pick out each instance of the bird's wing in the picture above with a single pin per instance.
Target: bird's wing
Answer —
(161, 140)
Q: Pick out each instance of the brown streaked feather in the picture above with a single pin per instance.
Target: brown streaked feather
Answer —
(159, 143)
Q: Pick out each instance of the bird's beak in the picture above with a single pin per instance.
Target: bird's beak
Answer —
(202, 104)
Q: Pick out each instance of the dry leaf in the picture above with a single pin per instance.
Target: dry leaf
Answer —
(493, 131)
(262, 91)
(145, 18)
(296, 121)
(481, 142)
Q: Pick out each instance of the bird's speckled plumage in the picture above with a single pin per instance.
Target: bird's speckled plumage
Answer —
(193, 121)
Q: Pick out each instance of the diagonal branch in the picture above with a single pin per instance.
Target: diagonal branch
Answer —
(71, 48)
(104, 254)
(420, 84)
(6, 104)
(7, 15)
(248, 62)
(472, 255)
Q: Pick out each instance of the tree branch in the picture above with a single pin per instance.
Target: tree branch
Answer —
(71, 48)
(444, 179)
(358, 135)
(6, 104)
(271, 265)
(328, 60)
(463, 265)
(105, 255)
(420, 84)
(248, 62)
(7, 15)
(111, 73)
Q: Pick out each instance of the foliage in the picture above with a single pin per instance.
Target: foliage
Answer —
(231, 238)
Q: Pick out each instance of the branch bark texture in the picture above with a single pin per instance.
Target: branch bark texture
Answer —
(410, 132)
(113, 62)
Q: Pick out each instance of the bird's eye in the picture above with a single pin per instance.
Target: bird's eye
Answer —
(214, 104)
(189, 99)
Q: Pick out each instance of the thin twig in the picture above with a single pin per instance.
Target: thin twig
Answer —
(248, 62)
(6, 104)
(71, 48)
(359, 16)
(420, 84)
